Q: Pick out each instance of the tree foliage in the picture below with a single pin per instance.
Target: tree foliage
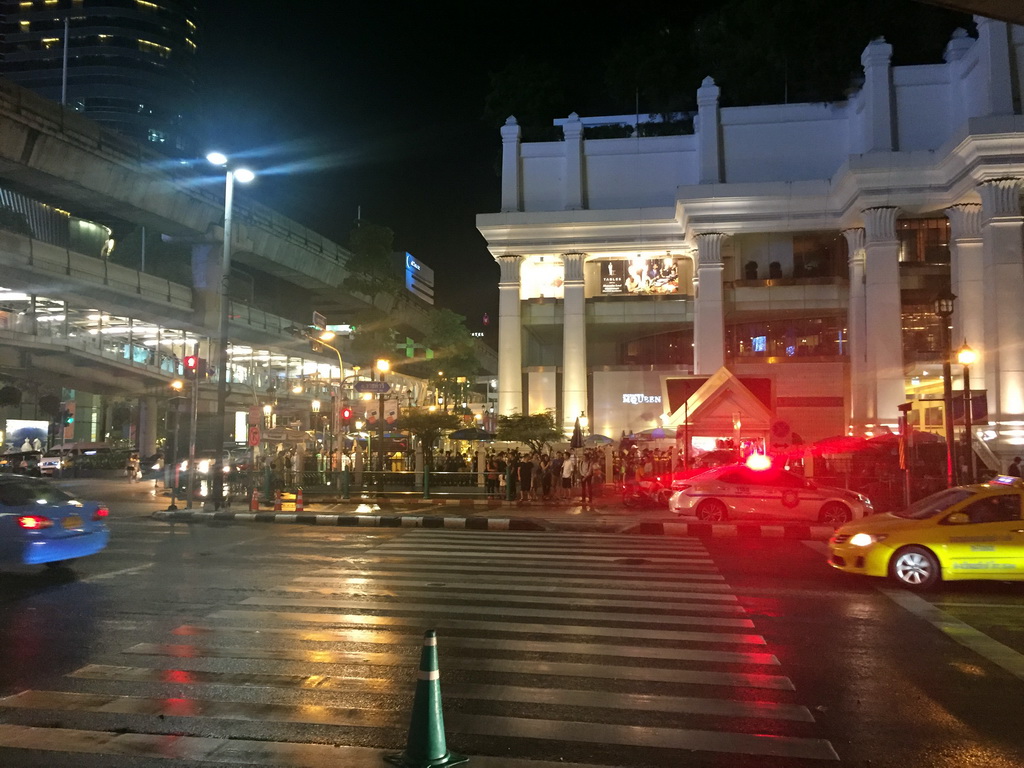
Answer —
(372, 270)
(536, 430)
(429, 426)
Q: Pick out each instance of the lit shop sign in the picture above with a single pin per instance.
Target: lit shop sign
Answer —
(639, 276)
(638, 399)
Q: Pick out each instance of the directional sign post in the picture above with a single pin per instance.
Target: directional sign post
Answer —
(377, 387)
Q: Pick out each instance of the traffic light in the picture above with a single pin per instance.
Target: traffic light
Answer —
(195, 366)
(346, 415)
(67, 418)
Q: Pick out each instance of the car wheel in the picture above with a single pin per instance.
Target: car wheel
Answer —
(915, 567)
(632, 500)
(835, 513)
(664, 496)
(59, 565)
(712, 511)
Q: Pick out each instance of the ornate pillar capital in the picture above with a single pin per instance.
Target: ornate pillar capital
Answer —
(880, 224)
(854, 244)
(573, 264)
(1000, 198)
(709, 249)
(964, 220)
(509, 264)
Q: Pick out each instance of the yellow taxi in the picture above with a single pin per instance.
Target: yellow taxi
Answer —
(966, 532)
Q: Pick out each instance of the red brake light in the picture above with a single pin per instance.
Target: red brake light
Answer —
(100, 513)
(34, 522)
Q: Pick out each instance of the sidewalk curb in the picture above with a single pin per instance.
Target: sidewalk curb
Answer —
(354, 521)
(793, 532)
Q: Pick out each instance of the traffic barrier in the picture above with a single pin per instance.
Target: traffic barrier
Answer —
(299, 507)
(277, 501)
(426, 747)
(254, 502)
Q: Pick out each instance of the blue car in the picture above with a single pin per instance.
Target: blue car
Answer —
(42, 524)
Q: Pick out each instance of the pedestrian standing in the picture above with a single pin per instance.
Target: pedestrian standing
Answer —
(133, 468)
(568, 470)
(586, 472)
(1014, 469)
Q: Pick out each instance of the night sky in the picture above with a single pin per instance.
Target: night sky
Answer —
(379, 107)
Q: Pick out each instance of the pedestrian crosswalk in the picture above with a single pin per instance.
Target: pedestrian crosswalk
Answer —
(555, 648)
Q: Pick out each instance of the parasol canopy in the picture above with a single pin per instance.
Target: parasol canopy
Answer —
(591, 440)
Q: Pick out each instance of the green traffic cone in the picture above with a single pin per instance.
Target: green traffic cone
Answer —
(426, 747)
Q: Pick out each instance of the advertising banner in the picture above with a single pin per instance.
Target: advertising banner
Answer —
(639, 276)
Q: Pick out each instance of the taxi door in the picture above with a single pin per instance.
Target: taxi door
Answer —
(991, 545)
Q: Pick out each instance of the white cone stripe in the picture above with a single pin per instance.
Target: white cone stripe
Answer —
(758, 710)
(370, 637)
(361, 620)
(422, 675)
(186, 653)
(483, 610)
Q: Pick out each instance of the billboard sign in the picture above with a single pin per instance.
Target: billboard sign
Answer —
(639, 276)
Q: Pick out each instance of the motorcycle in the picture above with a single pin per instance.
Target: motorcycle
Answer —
(647, 494)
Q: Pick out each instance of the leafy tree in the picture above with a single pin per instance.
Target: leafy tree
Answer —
(455, 356)
(535, 429)
(372, 270)
(429, 426)
(531, 90)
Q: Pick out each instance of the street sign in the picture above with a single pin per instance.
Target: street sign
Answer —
(379, 387)
(254, 436)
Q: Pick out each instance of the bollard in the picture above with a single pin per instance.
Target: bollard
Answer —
(299, 507)
(254, 502)
(425, 746)
(277, 501)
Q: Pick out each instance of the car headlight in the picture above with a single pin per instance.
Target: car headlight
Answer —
(867, 539)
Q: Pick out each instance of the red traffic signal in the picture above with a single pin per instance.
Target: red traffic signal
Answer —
(346, 414)
(193, 365)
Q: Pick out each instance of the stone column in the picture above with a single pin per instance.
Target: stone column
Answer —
(709, 132)
(574, 340)
(884, 313)
(966, 270)
(879, 135)
(146, 438)
(1002, 232)
(572, 131)
(861, 378)
(709, 320)
(207, 264)
(511, 175)
(510, 338)
(994, 43)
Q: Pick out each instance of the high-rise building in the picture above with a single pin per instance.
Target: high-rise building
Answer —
(127, 64)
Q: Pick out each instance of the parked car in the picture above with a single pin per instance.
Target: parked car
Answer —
(739, 492)
(966, 532)
(21, 462)
(43, 524)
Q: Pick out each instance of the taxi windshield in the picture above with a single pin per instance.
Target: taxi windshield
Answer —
(932, 505)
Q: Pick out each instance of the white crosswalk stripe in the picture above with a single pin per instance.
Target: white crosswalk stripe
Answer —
(549, 643)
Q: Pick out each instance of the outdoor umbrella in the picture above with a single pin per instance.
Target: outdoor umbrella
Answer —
(654, 433)
(577, 435)
(597, 440)
(471, 433)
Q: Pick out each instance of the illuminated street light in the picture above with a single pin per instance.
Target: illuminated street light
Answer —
(968, 357)
(244, 176)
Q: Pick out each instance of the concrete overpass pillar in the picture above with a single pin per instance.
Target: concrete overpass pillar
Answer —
(206, 283)
(146, 443)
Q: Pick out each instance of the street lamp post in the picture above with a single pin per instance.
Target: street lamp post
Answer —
(383, 366)
(220, 430)
(967, 357)
(944, 311)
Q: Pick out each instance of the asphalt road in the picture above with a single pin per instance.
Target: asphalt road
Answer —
(299, 645)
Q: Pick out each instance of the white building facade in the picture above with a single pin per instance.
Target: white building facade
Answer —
(803, 244)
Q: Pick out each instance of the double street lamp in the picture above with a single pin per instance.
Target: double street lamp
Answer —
(231, 175)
